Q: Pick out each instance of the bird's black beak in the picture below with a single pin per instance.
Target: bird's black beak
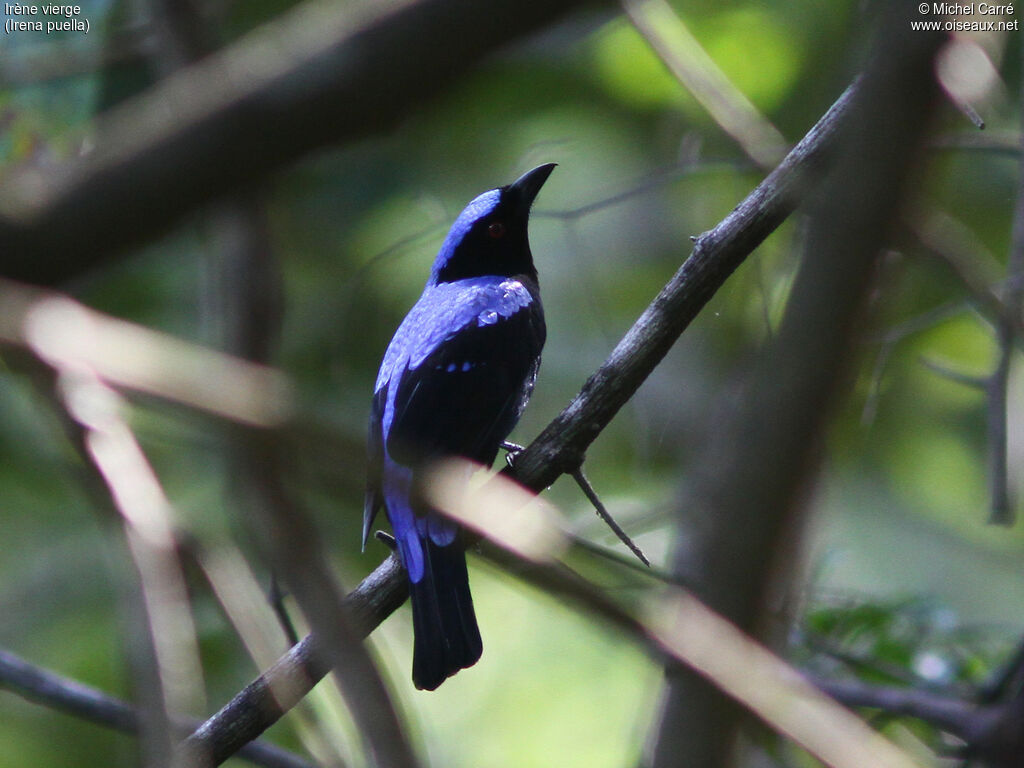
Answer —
(528, 185)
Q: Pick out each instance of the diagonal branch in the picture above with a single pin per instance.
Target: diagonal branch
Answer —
(262, 703)
(717, 253)
(676, 46)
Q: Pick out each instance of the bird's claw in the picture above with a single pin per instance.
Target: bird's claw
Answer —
(386, 539)
(513, 451)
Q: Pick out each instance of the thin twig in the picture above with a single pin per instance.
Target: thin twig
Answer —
(893, 336)
(991, 141)
(961, 253)
(624, 561)
(648, 184)
(514, 449)
(970, 113)
(605, 515)
(275, 596)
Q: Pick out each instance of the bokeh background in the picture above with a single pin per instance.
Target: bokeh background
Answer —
(899, 569)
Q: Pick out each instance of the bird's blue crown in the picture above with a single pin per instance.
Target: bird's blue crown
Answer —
(478, 208)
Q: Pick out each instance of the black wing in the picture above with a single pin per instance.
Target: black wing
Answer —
(468, 394)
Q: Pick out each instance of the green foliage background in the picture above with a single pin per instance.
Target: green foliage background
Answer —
(898, 518)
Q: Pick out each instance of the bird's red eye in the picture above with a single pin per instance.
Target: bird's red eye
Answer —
(496, 229)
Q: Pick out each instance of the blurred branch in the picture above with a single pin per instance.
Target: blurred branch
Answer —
(963, 254)
(323, 73)
(697, 71)
(113, 451)
(862, 662)
(965, 379)
(260, 704)
(991, 731)
(166, 653)
(685, 631)
(131, 356)
(887, 342)
(953, 716)
(1001, 503)
(50, 326)
(244, 303)
(78, 700)
(744, 501)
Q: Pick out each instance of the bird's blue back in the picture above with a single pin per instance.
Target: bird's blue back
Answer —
(453, 382)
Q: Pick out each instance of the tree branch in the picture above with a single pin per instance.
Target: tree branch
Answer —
(717, 253)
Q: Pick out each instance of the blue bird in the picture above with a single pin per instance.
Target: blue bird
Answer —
(454, 382)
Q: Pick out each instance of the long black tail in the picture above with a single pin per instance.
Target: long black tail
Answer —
(447, 638)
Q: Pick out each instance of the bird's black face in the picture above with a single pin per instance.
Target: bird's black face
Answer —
(490, 236)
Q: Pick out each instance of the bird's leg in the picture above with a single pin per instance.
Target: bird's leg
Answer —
(387, 540)
(513, 450)
(275, 596)
(602, 512)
